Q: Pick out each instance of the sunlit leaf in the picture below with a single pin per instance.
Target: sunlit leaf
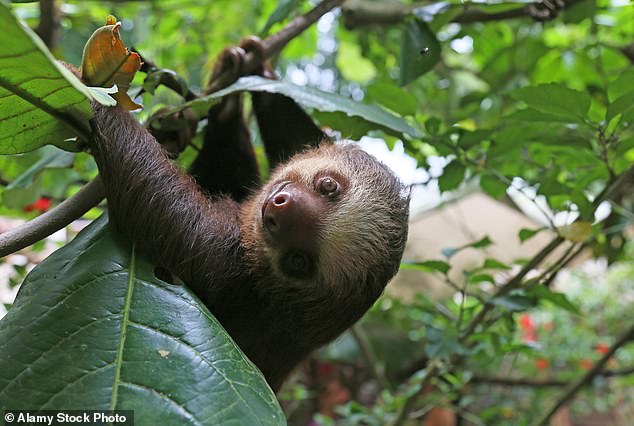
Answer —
(577, 232)
(427, 266)
(555, 98)
(107, 62)
(323, 101)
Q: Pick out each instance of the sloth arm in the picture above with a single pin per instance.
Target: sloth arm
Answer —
(160, 208)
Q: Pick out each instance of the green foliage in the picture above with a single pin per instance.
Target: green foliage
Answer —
(509, 103)
(24, 189)
(420, 51)
(103, 332)
(41, 103)
(326, 102)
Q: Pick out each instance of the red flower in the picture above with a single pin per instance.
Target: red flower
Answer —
(41, 205)
(529, 332)
(541, 363)
(602, 348)
(585, 364)
(526, 322)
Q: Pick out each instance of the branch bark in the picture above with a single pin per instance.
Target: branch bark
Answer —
(53, 220)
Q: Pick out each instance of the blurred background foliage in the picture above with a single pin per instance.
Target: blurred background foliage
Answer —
(535, 98)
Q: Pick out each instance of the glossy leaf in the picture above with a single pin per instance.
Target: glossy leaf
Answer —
(323, 101)
(41, 101)
(92, 327)
(420, 51)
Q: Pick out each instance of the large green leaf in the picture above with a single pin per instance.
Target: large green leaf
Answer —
(25, 186)
(92, 327)
(555, 98)
(420, 51)
(323, 101)
(41, 102)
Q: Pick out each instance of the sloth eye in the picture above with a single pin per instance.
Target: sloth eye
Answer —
(328, 186)
(298, 264)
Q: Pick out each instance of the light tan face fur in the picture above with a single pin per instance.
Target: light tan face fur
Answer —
(356, 232)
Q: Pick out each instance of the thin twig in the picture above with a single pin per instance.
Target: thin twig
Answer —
(609, 192)
(433, 368)
(53, 220)
(533, 383)
(512, 284)
(376, 367)
(574, 387)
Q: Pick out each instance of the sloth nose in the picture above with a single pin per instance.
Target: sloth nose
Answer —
(289, 217)
(279, 215)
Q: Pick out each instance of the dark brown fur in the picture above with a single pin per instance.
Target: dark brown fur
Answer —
(216, 246)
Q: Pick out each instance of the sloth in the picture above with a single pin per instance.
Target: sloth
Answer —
(285, 266)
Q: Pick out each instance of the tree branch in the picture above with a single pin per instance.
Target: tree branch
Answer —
(48, 27)
(360, 13)
(612, 190)
(273, 44)
(89, 196)
(523, 382)
(376, 367)
(53, 220)
(433, 369)
(574, 387)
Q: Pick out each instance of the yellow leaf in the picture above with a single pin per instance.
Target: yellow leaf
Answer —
(106, 62)
(577, 232)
